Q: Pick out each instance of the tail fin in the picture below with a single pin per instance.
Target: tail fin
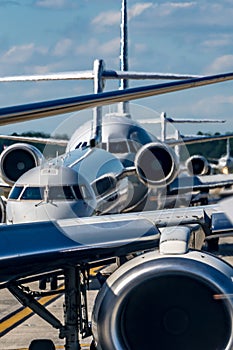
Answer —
(228, 151)
(123, 107)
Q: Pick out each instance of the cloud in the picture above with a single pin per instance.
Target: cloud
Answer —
(138, 9)
(221, 64)
(5, 3)
(93, 47)
(109, 18)
(56, 4)
(62, 47)
(21, 53)
(168, 8)
(218, 40)
(212, 105)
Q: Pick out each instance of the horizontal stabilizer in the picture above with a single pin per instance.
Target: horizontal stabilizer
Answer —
(15, 114)
(90, 75)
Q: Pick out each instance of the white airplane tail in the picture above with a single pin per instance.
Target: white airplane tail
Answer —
(123, 107)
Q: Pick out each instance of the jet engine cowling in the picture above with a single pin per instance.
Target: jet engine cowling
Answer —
(198, 165)
(166, 302)
(18, 158)
(156, 164)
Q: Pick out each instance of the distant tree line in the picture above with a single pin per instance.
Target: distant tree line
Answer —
(210, 149)
(50, 150)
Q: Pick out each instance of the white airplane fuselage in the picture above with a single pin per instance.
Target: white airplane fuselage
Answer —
(105, 171)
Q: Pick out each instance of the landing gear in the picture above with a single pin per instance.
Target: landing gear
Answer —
(75, 308)
(92, 346)
(212, 245)
(42, 344)
(53, 283)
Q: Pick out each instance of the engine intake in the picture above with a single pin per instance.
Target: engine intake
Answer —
(18, 158)
(156, 164)
(166, 302)
(198, 165)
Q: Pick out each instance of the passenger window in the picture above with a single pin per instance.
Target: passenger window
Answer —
(15, 193)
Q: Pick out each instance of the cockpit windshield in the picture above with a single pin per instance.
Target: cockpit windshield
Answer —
(32, 193)
(60, 193)
(51, 193)
(15, 193)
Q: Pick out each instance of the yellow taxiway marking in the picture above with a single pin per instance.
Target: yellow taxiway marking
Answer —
(83, 347)
(19, 316)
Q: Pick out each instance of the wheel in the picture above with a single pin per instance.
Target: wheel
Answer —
(212, 245)
(42, 283)
(2, 211)
(53, 283)
(92, 346)
(42, 344)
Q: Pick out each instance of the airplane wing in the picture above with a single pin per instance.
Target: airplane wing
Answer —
(43, 109)
(162, 239)
(47, 246)
(70, 241)
(188, 140)
(200, 183)
(41, 140)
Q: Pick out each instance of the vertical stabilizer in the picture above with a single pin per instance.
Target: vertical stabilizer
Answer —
(228, 151)
(124, 65)
(97, 111)
(163, 119)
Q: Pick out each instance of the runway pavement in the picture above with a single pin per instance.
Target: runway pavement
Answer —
(20, 337)
(34, 327)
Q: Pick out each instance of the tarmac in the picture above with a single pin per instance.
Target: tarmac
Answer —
(19, 337)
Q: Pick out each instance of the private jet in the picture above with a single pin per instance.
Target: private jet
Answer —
(183, 293)
(120, 166)
(169, 289)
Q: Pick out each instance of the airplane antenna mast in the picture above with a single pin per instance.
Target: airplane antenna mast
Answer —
(124, 65)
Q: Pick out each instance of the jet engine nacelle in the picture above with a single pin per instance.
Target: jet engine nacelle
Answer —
(156, 164)
(198, 165)
(18, 158)
(166, 302)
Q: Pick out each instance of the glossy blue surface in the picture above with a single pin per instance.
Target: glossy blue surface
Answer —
(27, 249)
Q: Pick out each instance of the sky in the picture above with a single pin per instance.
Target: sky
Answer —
(47, 36)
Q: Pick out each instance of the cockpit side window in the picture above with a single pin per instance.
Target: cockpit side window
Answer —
(15, 193)
(133, 146)
(32, 193)
(77, 191)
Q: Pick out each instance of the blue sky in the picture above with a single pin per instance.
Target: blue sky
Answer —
(44, 36)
